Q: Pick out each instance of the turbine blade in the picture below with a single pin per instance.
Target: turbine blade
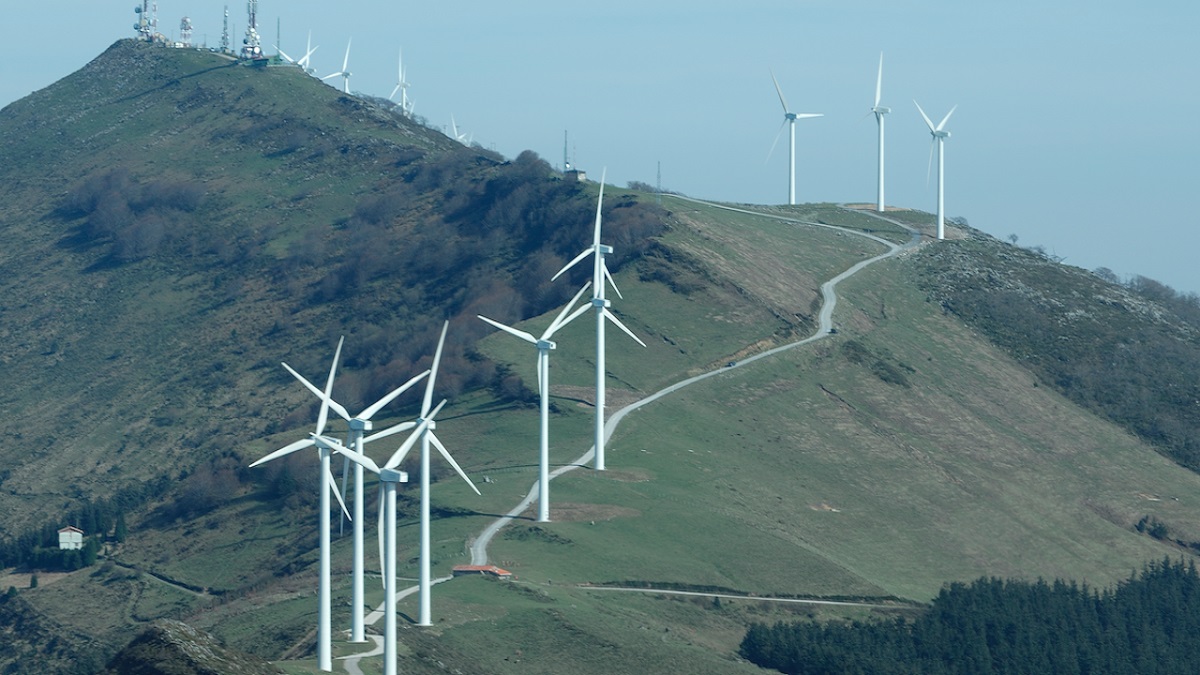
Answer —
(369, 412)
(776, 141)
(528, 337)
(284, 55)
(611, 282)
(353, 455)
(379, 535)
(398, 456)
(599, 205)
(345, 475)
(611, 317)
(929, 165)
(540, 359)
(446, 453)
(925, 117)
(558, 320)
(329, 76)
(346, 61)
(779, 91)
(337, 494)
(879, 81)
(320, 394)
(586, 252)
(285, 450)
(393, 94)
(808, 116)
(947, 117)
(324, 416)
(403, 426)
(437, 359)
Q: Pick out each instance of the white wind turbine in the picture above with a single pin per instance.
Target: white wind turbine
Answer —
(358, 424)
(324, 623)
(939, 136)
(344, 72)
(544, 344)
(303, 61)
(600, 276)
(402, 87)
(789, 118)
(461, 138)
(424, 431)
(880, 111)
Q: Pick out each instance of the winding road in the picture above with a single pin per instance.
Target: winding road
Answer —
(480, 544)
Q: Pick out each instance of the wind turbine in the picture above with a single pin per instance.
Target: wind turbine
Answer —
(302, 61)
(461, 138)
(324, 636)
(401, 86)
(359, 424)
(345, 71)
(880, 111)
(423, 432)
(939, 136)
(544, 344)
(789, 118)
(600, 275)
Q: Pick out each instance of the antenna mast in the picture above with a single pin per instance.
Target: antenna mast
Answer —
(566, 159)
(185, 32)
(143, 23)
(225, 33)
(252, 44)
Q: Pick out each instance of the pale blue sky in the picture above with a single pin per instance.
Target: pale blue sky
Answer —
(1074, 128)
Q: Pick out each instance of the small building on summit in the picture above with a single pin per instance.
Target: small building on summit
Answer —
(70, 538)
(485, 570)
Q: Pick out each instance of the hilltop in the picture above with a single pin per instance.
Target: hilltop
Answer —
(179, 223)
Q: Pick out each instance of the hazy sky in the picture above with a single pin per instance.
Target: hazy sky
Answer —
(1075, 128)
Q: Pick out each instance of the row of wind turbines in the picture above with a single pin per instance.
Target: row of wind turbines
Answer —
(422, 431)
(405, 105)
(938, 133)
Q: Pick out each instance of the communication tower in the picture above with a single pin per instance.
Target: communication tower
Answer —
(225, 33)
(252, 44)
(185, 32)
(142, 26)
(566, 158)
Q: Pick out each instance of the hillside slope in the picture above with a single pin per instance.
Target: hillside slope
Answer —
(180, 223)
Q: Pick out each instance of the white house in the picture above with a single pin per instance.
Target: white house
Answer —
(70, 538)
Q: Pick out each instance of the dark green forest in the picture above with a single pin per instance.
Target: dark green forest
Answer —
(1148, 624)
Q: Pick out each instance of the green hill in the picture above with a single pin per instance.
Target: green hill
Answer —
(178, 223)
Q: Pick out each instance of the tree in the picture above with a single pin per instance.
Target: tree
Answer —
(33, 580)
(121, 530)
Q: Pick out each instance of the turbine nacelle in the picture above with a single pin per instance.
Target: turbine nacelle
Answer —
(881, 110)
(601, 303)
(359, 424)
(546, 344)
(393, 476)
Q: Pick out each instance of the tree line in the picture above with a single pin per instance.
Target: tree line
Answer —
(1148, 624)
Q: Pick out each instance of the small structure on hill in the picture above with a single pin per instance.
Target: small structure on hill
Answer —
(70, 538)
(485, 570)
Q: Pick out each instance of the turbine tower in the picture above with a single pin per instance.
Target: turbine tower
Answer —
(880, 111)
(939, 135)
(544, 344)
(600, 276)
(324, 623)
(790, 118)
